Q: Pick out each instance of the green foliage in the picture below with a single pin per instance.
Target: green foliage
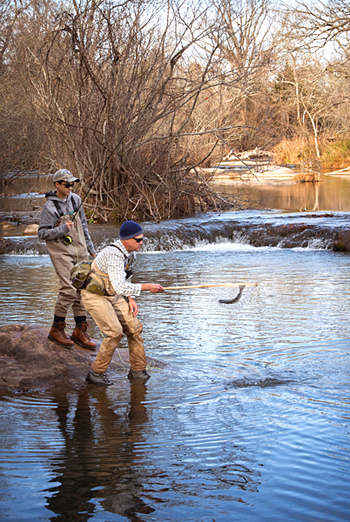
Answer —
(91, 217)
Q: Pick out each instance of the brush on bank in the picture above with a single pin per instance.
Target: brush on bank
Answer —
(240, 286)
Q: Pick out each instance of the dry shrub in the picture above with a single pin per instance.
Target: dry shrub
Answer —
(308, 177)
(294, 152)
(336, 155)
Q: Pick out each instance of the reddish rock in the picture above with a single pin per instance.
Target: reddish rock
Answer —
(28, 359)
(343, 243)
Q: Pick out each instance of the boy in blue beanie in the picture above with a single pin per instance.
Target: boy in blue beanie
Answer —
(115, 312)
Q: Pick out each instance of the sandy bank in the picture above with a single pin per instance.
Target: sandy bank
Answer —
(340, 172)
(233, 173)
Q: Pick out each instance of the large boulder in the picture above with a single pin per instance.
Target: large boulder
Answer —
(28, 360)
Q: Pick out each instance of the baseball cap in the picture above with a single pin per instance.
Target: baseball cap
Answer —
(64, 175)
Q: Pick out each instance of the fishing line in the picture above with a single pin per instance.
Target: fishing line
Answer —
(230, 300)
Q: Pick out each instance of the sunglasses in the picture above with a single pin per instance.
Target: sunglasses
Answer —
(138, 239)
(67, 185)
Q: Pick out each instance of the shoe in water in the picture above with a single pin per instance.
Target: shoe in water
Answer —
(100, 379)
(133, 374)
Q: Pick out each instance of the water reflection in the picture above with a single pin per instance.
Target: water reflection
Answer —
(25, 193)
(333, 193)
(97, 467)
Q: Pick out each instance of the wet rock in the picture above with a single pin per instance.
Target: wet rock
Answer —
(21, 218)
(5, 245)
(343, 242)
(7, 226)
(28, 360)
(31, 229)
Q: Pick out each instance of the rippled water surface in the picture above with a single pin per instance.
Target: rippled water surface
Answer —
(249, 420)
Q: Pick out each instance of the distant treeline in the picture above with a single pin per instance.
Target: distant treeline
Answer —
(145, 92)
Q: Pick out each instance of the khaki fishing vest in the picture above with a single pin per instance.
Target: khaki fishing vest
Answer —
(101, 279)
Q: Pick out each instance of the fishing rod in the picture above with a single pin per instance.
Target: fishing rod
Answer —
(231, 285)
(240, 286)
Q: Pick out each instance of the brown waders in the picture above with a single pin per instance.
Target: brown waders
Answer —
(112, 315)
(64, 257)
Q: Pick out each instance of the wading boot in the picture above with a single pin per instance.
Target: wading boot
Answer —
(133, 374)
(58, 335)
(80, 336)
(100, 379)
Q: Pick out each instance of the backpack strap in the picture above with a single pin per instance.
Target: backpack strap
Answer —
(59, 209)
(74, 203)
(120, 250)
(126, 268)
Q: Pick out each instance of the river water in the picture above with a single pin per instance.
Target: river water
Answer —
(248, 421)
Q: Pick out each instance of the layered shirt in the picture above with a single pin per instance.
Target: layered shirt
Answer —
(48, 229)
(114, 261)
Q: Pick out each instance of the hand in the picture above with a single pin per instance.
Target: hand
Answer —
(69, 225)
(155, 288)
(133, 306)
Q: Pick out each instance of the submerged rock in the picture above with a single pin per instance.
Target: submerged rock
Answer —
(28, 360)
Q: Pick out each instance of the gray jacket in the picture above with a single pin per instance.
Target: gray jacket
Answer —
(49, 217)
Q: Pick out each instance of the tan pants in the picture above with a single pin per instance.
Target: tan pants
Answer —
(113, 317)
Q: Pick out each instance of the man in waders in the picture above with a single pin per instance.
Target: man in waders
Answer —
(68, 242)
(114, 308)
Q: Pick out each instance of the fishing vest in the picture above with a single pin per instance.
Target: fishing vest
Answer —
(100, 283)
(128, 262)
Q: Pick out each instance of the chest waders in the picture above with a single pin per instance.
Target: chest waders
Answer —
(74, 239)
(67, 239)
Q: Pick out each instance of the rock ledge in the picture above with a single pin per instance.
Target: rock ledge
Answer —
(29, 360)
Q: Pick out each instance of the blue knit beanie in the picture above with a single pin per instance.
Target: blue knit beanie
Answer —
(130, 229)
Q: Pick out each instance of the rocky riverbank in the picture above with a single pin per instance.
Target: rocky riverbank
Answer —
(29, 360)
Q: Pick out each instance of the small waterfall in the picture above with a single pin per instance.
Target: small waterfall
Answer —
(316, 231)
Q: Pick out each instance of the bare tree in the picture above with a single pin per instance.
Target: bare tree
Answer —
(315, 55)
(310, 91)
(20, 134)
(322, 23)
(248, 47)
(110, 83)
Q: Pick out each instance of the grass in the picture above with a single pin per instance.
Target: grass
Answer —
(293, 152)
(336, 155)
(301, 152)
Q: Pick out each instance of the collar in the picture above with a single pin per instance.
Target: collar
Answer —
(120, 245)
